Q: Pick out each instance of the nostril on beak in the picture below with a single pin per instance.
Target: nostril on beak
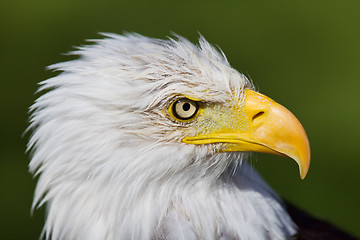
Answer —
(257, 115)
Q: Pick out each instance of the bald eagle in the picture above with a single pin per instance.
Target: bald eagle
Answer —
(143, 138)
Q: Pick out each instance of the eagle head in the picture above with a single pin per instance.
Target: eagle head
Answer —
(143, 138)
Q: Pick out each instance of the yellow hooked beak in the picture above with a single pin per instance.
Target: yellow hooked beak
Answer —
(270, 128)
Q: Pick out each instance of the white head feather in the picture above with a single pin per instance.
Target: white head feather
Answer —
(111, 163)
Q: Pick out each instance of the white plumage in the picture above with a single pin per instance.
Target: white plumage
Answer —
(112, 163)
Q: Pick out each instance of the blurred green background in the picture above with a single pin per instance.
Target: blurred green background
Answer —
(304, 54)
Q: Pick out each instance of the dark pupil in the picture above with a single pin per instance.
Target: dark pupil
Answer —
(186, 106)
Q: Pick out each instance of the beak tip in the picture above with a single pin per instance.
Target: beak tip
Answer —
(304, 168)
(302, 176)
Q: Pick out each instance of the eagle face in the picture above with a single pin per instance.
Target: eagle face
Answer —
(145, 138)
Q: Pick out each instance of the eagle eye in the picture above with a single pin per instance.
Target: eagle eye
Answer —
(184, 109)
